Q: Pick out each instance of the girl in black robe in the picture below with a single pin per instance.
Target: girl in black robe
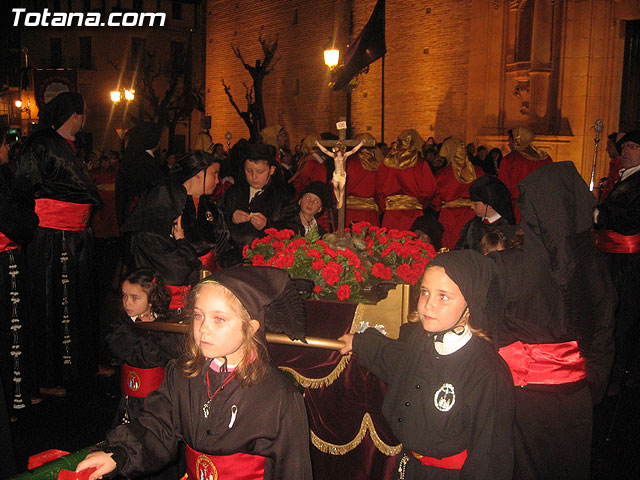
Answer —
(239, 415)
(450, 395)
(144, 299)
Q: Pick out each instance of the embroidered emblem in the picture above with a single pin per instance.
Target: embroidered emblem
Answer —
(133, 381)
(445, 397)
(205, 469)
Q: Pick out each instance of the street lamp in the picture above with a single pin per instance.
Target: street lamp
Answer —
(127, 94)
(331, 57)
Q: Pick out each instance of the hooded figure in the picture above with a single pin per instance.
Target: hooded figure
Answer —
(202, 220)
(491, 203)
(523, 159)
(362, 169)
(404, 182)
(50, 174)
(452, 190)
(153, 245)
(555, 326)
(140, 169)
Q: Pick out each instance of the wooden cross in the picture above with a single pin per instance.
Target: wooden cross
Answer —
(340, 155)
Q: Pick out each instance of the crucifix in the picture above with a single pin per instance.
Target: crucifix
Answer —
(339, 154)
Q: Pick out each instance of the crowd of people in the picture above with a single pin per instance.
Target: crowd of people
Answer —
(526, 297)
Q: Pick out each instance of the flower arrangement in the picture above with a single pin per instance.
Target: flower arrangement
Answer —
(342, 267)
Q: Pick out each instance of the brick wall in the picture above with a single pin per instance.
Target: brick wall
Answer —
(296, 92)
(425, 91)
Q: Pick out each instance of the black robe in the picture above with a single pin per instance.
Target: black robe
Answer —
(49, 168)
(17, 369)
(137, 174)
(480, 419)
(274, 203)
(620, 212)
(152, 246)
(556, 289)
(207, 229)
(141, 349)
(270, 421)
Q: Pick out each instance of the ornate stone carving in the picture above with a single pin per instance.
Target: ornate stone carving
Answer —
(522, 92)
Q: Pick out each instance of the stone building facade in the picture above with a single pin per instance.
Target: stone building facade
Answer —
(465, 68)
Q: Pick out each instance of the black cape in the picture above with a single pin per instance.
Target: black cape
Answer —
(150, 224)
(270, 421)
(49, 168)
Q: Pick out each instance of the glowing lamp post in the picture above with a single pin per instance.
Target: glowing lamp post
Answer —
(118, 95)
(331, 57)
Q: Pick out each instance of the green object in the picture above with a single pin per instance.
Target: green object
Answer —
(49, 471)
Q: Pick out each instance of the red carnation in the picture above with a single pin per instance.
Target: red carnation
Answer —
(258, 261)
(382, 272)
(317, 289)
(357, 228)
(343, 292)
(285, 234)
(317, 264)
(313, 253)
(406, 273)
(245, 251)
(271, 231)
(358, 276)
(278, 245)
(284, 261)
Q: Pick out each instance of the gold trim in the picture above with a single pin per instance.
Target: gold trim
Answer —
(307, 382)
(402, 202)
(361, 203)
(457, 203)
(365, 425)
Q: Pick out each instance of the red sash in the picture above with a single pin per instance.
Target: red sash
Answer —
(63, 215)
(544, 363)
(209, 260)
(613, 242)
(140, 382)
(454, 462)
(6, 243)
(178, 295)
(239, 466)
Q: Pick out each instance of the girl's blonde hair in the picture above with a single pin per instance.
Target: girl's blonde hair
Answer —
(255, 356)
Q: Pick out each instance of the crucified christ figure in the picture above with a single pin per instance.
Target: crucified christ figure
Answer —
(340, 172)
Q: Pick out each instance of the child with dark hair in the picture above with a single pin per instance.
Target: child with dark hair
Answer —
(504, 237)
(258, 202)
(143, 354)
(491, 202)
(239, 415)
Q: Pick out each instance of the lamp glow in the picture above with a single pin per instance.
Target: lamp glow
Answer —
(129, 94)
(331, 57)
(18, 103)
(115, 96)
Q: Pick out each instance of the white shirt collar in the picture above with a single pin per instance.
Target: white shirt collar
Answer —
(253, 192)
(493, 218)
(626, 172)
(452, 342)
(151, 152)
